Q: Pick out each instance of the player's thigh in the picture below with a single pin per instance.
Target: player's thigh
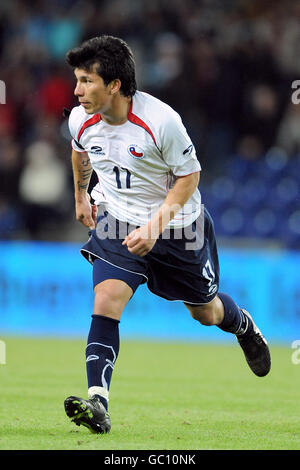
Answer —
(111, 296)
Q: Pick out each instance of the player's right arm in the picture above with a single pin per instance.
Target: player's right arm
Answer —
(86, 213)
(82, 171)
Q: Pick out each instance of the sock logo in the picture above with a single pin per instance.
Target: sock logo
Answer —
(99, 373)
(92, 357)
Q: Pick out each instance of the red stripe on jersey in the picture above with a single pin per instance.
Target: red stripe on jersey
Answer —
(188, 174)
(90, 122)
(139, 122)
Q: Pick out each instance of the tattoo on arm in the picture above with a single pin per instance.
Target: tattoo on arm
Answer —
(85, 161)
(84, 172)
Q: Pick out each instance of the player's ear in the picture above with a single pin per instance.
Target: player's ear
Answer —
(115, 86)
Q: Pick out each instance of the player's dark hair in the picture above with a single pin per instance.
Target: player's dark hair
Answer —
(113, 57)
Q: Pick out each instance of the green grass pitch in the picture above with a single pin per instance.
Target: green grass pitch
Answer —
(163, 396)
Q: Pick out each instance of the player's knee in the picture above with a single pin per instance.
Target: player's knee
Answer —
(111, 296)
(107, 303)
(204, 315)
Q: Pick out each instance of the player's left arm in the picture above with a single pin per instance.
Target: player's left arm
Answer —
(179, 154)
(142, 240)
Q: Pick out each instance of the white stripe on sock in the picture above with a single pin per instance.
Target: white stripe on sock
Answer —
(103, 392)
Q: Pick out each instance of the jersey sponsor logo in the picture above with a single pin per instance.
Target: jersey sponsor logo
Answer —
(188, 150)
(135, 151)
(97, 150)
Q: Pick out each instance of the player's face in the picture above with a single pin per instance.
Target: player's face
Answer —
(91, 91)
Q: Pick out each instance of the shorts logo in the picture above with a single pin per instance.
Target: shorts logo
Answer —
(213, 289)
(135, 151)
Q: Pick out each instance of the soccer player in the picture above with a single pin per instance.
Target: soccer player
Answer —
(147, 223)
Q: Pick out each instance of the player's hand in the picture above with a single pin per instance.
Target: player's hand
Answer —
(140, 241)
(86, 213)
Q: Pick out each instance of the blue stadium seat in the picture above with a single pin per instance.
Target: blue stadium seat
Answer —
(288, 189)
(273, 165)
(217, 196)
(284, 192)
(288, 227)
(239, 169)
(259, 199)
(251, 194)
(293, 167)
(232, 222)
(264, 224)
(223, 189)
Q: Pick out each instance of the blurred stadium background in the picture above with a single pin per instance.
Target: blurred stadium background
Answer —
(227, 67)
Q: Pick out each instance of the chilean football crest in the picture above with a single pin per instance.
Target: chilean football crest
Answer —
(135, 151)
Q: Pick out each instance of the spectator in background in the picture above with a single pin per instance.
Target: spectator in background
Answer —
(10, 203)
(54, 94)
(43, 183)
(261, 115)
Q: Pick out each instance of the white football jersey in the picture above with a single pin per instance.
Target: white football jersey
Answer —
(137, 162)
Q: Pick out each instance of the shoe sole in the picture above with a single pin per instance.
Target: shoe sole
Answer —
(80, 414)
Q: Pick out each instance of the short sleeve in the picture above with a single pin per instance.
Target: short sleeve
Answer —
(177, 148)
(74, 124)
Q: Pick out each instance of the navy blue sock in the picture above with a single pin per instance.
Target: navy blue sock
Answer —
(234, 320)
(101, 353)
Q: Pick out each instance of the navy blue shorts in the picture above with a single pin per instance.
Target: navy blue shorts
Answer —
(183, 264)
